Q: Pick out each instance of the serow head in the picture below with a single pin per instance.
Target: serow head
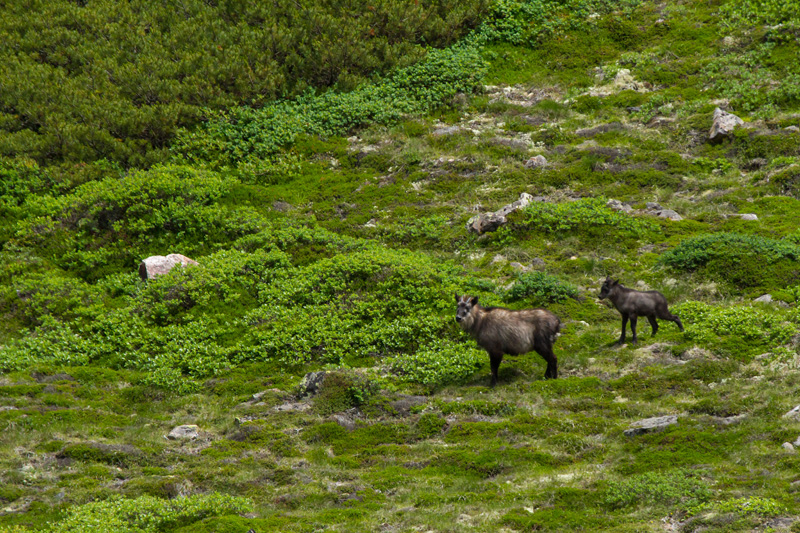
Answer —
(465, 305)
(608, 284)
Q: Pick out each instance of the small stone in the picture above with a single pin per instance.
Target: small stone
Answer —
(518, 266)
(748, 216)
(282, 207)
(372, 223)
(792, 129)
(499, 258)
(537, 262)
(788, 447)
(649, 425)
(765, 298)
(796, 442)
(187, 432)
(654, 206)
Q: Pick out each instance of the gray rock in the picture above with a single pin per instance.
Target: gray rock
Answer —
(447, 130)
(788, 447)
(537, 262)
(488, 222)
(158, 265)
(311, 383)
(796, 443)
(538, 161)
(794, 413)
(290, 407)
(8, 408)
(723, 125)
(602, 128)
(654, 206)
(791, 129)
(764, 298)
(649, 425)
(371, 223)
(485, 223)
(669, 214)
(499, 258)
(748, 216)
(404, 404)
(728, 420)
(518, 266)
(757, 163)
(616, 205)
(347, 419)
(186, 432)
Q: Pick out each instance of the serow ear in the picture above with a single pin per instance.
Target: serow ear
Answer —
(474, 300)
(458, 298)
(615, 282)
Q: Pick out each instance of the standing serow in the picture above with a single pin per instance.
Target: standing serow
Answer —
(633, 304)
(502, 331)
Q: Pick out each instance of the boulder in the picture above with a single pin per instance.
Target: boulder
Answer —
(616, 205)
(536, 162)
(186, 432)
(669, 214)
(723, 125)
(158, 265)
(764, 298)
(649, 425)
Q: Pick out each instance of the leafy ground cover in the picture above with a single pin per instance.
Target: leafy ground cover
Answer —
(331, 235)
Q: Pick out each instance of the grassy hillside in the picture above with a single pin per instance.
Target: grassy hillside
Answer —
(331, 233)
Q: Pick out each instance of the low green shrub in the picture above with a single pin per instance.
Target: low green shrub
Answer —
(587, 217)
(754, 505)
(437, 364)
(541, 288)
(684, 488)
(745, 261)
(147, 514)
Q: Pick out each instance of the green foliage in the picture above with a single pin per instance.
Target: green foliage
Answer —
(541, 288)
(741, 329)
(761, 12)
(743, 260)
(755, 83)
(437, 364)
(341, 391)
(677, 487)
(529, 22)
(742, 506)
(73, 91)
(588, 216)
(245, 134)
(148, 514)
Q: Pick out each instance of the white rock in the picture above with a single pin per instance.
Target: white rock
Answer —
(724, 124)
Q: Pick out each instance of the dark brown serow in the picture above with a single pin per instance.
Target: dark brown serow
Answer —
(632, 304)
(502, 331)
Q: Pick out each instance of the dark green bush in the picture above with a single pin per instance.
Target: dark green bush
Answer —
(245, 134)
(117, 79)
(541, 288)
(746, 261)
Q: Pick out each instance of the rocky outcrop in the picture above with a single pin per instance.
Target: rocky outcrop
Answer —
(158, 265)
(723, 125)
(488, 222)
(649, 425)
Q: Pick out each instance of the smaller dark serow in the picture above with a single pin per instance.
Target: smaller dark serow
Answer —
(502, 331)
(632, 304)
